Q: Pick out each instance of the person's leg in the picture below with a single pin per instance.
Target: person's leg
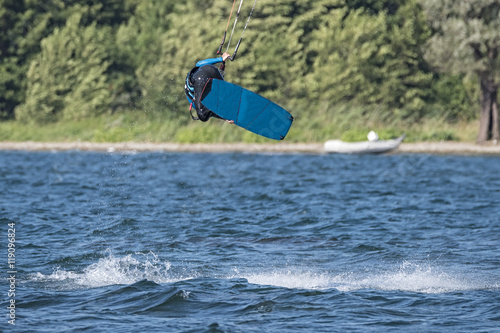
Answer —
(202, 86)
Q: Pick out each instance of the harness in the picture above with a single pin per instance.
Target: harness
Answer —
(188, 86)
(189, 90)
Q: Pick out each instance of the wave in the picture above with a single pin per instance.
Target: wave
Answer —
(407, 276)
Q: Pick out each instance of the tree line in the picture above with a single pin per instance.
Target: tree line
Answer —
(413, 59)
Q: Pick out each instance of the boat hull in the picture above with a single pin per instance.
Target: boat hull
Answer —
(364, 147)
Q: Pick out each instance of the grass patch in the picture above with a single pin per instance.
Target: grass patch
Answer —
(339, 122)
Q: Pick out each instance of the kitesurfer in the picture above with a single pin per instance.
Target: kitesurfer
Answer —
(196, 85)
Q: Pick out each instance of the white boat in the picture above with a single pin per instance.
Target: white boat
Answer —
(372, 146)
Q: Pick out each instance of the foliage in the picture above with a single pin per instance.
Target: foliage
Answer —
(334, 64)
(455, 97)
(371, 59)
(467, 41)
(23, 24)
(67, 79)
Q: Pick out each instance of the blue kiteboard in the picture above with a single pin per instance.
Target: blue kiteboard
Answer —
(247, 109)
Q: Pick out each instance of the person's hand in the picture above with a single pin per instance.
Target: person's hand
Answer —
(230, 121)
(225, 56)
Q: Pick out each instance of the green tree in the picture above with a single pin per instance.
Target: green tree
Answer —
(371, 59)
(23, 24)
(466, 40)
(375, 6)
(10, 12)
(67, 79)
(109, 13)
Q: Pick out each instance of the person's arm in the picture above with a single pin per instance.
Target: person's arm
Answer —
(212, 61)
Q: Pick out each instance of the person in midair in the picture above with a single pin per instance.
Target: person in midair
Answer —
(195, 86)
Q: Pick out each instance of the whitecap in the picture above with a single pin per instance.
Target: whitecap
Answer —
(111, 270)
(407, 276)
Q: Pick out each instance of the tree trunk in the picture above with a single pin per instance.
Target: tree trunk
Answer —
(488, 122)
(495, 132)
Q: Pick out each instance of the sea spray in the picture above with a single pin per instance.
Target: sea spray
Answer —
(113, 270)
(406, 276)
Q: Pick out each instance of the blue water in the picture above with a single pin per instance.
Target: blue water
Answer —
(193, 242)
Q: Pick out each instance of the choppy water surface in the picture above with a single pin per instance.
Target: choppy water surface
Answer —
(173, 242)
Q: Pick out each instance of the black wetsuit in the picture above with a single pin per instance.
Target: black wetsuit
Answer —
(198, 85)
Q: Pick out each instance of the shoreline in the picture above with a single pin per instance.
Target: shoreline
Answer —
(445, 147)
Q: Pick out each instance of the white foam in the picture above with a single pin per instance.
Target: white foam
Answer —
(290, 279)
(113, 270)
(408, 276)
(411, 277)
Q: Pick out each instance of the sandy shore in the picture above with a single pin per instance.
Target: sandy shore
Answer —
(461, 148)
